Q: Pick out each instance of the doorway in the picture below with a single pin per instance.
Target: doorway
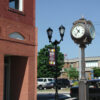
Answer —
(15, 77)
(7, 78)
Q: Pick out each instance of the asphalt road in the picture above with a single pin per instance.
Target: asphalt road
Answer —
(51, 96)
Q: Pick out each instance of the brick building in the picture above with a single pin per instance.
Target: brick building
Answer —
(90, 63)
(18, 50)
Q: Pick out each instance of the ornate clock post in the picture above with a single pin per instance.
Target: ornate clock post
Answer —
(83, 33)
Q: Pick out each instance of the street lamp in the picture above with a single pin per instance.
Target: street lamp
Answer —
(61, 30)
(49, 33)
(55, 43)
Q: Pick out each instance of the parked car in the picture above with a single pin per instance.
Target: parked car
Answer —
(94, 90)
(62, 83)
(45, 83)
(49, 85)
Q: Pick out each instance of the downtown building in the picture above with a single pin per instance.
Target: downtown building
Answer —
(90, 63)
(18, 50)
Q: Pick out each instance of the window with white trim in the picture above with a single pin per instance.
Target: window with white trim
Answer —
(16, 4)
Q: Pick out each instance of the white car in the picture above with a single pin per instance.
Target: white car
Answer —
(44, 83)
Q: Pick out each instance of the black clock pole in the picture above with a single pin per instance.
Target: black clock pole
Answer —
(83, 87)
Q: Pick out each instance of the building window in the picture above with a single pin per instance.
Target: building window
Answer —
(92, 64)
(16, 35)
(16, 4)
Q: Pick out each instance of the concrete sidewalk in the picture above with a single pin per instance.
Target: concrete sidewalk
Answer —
(63, 90)
(49, 94)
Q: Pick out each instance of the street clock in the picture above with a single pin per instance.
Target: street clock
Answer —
(82, 31)
(78, 31)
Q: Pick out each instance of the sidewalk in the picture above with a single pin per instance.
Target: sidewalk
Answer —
(49, 94)
(63, 90)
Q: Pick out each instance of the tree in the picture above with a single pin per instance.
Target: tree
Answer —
(96, 72)
(72, 73)
(44, 69)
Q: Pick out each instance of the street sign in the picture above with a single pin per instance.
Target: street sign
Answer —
(52, 57)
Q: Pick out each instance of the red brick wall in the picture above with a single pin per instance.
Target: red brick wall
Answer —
(24, 23)
(29, 51)
(8, 26)
(1, 75)
(27, 16)
(14, 48)
(29, 88)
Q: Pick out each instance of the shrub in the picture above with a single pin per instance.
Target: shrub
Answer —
(76, 83)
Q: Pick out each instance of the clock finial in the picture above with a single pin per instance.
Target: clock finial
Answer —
(82, 16)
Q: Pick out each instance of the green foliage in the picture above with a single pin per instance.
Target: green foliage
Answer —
(76, 83)
(72, 73)
(96, 72)
(44, 69)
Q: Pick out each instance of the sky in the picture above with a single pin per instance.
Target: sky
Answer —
(54, 13)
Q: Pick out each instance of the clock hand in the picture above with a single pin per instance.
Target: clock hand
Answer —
(77, 30)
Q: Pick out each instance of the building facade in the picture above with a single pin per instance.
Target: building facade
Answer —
(90, 63)
(18, 50)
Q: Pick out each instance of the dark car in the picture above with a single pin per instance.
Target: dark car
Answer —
(94, 90)
(62, 83)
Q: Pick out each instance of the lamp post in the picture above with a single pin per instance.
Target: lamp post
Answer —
(55, 43)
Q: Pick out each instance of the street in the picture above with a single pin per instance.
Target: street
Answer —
(51, 96)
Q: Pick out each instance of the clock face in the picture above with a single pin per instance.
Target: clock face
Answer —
(92, 32)
(78, 31)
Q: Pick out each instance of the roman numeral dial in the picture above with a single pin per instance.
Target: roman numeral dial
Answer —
(78, 31)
